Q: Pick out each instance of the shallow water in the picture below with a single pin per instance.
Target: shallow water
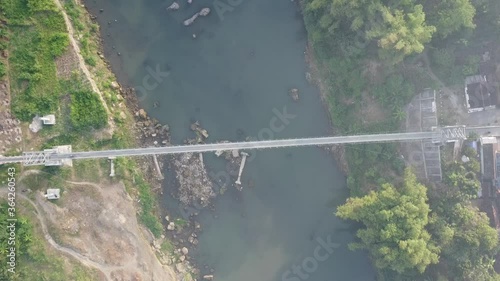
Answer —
(234, 78)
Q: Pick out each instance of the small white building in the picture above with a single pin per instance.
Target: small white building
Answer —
(53, 193)
(49, 119)
(38, 122)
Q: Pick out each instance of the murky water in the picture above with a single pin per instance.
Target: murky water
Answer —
(234, 78)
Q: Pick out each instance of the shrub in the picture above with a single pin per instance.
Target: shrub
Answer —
(2, 69)
(87, 111)
(58, 43)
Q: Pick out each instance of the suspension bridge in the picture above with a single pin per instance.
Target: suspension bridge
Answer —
(439, 135)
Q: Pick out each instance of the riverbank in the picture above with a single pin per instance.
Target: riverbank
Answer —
(79, 68)
(338, 150)
(239, 92)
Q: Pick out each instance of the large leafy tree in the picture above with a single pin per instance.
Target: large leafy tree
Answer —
(451, 15)
(399, 27)
(401, 33)
(353, 13)
(395, 219)
(468, 242)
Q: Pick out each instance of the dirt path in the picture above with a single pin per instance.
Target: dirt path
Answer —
(82, 259)
(81, 63)
(109, 238)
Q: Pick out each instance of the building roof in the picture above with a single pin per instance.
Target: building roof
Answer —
(488, 162)
(49, 119)
(477, 94)
(497, 182)
(488, 140)
(53, 193)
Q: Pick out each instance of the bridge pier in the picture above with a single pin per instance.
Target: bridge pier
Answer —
(157, 166)
(243, 160)
(112, 172)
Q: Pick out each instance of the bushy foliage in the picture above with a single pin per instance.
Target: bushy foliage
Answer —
(58, 43)
(3, 69)
(41, 5)
(87, 111)
(400, 28)
(395, 219)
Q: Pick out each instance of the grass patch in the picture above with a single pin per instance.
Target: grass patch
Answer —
(38, 35)
(87, 111)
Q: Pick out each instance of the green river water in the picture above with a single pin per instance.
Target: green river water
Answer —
(234, 78)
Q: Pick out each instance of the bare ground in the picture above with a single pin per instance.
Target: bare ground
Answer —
(10, 129)
(97, 225)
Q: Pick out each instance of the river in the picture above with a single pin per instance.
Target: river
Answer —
(234, 78)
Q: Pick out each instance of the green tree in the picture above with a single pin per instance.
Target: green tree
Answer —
(451, 15)
(401, 34)
(474, 243)
(461, 181)
(354, 13)
(395, 219)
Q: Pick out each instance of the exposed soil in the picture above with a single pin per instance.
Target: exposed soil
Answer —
(66, 64)
(97, 225)
(10, 127)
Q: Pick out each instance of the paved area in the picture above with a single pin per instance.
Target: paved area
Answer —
(423, 155)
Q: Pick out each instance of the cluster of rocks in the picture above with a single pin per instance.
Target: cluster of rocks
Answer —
(151, 131)
(195, 187)
(183, 239)
(294, 94)
(178, 257)
(203, 12)
(174, 6)
(201, 134)
(233, 158)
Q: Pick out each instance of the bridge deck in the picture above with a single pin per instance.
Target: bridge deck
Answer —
(438, 134)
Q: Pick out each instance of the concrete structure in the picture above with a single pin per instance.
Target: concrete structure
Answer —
(112, 169)
(53, 194)
(62, 149)
(242, 165)
(157, 166)
(488, 165)
(477, 95)
(438, 136)
(49, 119)
(38, 122)
(425, 156)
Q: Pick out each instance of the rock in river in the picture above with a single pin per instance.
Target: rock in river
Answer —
(294, 93)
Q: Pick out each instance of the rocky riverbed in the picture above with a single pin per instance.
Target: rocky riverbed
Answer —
(194, 188)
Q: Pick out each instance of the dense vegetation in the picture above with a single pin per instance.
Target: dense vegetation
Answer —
(38, 35)
(35, 38)
(87, 111)
(388, 51)
(395, 220)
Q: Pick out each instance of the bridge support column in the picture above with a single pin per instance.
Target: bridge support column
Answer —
(243, 160)
(112, 172)
(157, 167)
